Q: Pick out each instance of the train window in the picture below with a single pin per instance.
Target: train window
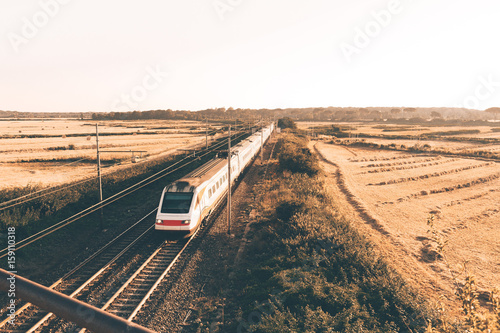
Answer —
(213, 189)
(209, 193)
(176, 203)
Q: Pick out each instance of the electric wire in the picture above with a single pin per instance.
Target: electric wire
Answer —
(43, 233)
(5, 205)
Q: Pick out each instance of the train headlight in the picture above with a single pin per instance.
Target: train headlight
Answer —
(185, 222)
(159, 221)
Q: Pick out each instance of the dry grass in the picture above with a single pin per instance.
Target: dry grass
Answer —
(462, 140)
(414, 130)
(435, 174)
(462, 193)
(47, 152)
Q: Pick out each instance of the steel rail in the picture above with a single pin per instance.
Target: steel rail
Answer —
(158, 281)
(145, 298)
(133, 277)
(85, 262)
(91, 279)
(69, 308)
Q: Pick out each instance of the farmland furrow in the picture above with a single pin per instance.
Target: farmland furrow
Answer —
(375, 159)
(481, 180)
(402, 163)
(431, 175)
(409, 167)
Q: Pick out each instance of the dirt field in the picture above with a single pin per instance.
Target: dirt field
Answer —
(48, 152)
(455, 139)
(392, 194)
(393, 129)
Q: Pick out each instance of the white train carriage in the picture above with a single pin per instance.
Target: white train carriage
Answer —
(185, 203)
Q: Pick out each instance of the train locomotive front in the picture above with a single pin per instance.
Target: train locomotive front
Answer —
(177, 210)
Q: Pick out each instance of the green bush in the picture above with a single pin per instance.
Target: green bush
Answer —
(294, 155)
(286, 123)
(325, 275)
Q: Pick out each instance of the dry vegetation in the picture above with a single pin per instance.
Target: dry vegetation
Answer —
(397, 194)
(52, 152)
(476, 141)
(306, 269)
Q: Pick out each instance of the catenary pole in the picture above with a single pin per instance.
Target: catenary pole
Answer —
(229, 183)
(99, 171)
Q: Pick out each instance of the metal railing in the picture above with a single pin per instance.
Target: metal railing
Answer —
(83, 314)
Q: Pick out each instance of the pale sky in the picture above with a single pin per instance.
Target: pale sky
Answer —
(119, 55)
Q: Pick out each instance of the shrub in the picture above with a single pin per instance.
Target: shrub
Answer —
(294, 155)
(324, 274)
(286, 123)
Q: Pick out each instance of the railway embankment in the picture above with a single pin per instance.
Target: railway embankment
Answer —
(304, 267)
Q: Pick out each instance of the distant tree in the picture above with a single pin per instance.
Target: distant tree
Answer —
(494, 111)
(435, 114)
(286, 123)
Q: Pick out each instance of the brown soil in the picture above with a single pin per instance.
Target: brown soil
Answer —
(392, 208)
(49, 161)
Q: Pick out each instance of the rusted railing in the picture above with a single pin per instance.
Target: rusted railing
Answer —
(73, 310)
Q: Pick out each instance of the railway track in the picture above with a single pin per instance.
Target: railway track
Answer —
(128, 301)
(119, 261)
(99, 280)
(83, 277)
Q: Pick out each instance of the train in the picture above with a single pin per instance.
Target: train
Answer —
(187, 202)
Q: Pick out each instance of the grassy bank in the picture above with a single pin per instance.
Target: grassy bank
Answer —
(307, 269)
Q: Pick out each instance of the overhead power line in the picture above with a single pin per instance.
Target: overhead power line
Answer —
(43, 233)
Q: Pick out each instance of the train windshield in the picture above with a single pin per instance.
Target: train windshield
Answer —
(176, 203)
